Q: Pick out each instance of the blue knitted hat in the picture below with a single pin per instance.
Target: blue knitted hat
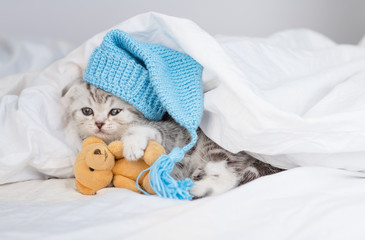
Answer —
(154, 79)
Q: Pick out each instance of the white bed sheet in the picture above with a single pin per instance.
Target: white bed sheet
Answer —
(302, 203)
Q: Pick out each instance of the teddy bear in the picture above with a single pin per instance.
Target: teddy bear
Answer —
(99, 164)
(94, 164)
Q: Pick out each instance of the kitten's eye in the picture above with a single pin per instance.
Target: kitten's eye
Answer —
(115, 111)
(87, 111)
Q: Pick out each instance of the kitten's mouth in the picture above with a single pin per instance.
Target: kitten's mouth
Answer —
(101, 132)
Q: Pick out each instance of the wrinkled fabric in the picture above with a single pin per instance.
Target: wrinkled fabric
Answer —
(293, 99)
(301, 203)
(20, 55)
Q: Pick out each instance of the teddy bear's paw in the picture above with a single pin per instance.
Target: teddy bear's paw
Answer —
(134, 147)
(83, 189)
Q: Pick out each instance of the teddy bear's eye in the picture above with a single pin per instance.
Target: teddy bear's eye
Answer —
(115, 111)
(87, 111)
(91, 169)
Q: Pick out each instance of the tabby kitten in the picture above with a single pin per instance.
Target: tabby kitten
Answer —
(90, 111)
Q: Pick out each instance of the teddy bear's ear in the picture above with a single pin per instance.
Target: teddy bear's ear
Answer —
(116, 148)
(91, 140)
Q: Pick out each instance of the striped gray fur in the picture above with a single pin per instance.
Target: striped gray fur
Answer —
(213, 169)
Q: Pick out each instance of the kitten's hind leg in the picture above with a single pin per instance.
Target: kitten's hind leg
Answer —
(214, 178)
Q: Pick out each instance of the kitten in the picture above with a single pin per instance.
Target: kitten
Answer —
(90, 111)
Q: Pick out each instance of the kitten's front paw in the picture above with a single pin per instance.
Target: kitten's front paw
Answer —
(133, 147)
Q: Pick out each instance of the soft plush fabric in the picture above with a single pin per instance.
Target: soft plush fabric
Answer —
(304, 101)
(29, 54)
(298, 204)
(154, 79)
(293, 99)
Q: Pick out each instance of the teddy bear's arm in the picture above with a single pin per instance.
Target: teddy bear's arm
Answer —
(116, 148)
(153, 151)
(120, 181)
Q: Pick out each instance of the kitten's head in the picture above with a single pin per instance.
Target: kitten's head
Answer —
(91, 111)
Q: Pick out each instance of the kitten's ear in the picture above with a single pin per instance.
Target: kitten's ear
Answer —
(72, 92)
(66, 89)
(76, 83)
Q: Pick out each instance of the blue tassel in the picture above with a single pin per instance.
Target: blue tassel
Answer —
(160, 179)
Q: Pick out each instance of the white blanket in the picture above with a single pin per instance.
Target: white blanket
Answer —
(20, 55)
(293, 99)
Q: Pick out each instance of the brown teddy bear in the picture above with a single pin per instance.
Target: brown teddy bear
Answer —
(98, 164)
(94, 163)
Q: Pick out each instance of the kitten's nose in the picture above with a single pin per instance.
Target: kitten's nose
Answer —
(99, 124)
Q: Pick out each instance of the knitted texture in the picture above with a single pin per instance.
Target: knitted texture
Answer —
(154, 79)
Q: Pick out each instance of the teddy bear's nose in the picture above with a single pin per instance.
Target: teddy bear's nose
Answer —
(97, 152)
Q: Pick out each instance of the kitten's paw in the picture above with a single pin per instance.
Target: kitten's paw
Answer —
(212, 179)
(198, 174)
(201, 189)
(134, 147)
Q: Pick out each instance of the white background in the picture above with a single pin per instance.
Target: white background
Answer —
(78, 20)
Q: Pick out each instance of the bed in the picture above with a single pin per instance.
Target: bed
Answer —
(295, 100)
